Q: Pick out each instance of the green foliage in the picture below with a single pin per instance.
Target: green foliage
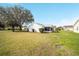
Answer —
(41, 30)
(15, 16)
(58, 29)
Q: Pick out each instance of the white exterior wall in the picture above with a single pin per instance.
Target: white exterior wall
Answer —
(76, 27)
(68, 29)
(24, 27)
(35, 26)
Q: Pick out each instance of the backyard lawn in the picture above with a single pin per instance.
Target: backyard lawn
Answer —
(38, 44)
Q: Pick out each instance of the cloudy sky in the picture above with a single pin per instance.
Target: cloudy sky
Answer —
(53, 13)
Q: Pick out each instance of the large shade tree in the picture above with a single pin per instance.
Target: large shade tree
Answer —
(2, 18)
(16, 16)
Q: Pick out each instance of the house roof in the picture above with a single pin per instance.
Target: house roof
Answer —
(48, 25)
(33, 23)
(68, 26)
(76, 22)
(30, 24)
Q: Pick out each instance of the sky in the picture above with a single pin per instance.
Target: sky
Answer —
(58, 14)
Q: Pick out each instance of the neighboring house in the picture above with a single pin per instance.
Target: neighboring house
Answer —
(76, 26)
(68, 28)
(32, 27)
(49, 28)
(24, 26)
(35, 27)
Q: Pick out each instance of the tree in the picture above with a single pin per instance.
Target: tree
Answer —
(58, 29)
(17, 16)
(41, 30)
(2, 17)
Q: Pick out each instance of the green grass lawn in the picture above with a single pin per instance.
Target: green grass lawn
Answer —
(38, 44)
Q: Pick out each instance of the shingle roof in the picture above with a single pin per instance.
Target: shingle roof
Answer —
(30, 24)
(76, 22)
(69, 26)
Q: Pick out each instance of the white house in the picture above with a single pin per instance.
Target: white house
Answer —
(35, 27)
(68, 28)
(76, 26)
(32, 27)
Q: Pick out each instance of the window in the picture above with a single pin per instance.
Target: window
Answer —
(48, 28)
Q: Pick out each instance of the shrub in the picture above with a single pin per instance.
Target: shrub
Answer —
(57, 30)
(41, 30)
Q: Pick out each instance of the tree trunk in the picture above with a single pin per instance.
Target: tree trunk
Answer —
(4, 28)
(13, 28)
(20, 28)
